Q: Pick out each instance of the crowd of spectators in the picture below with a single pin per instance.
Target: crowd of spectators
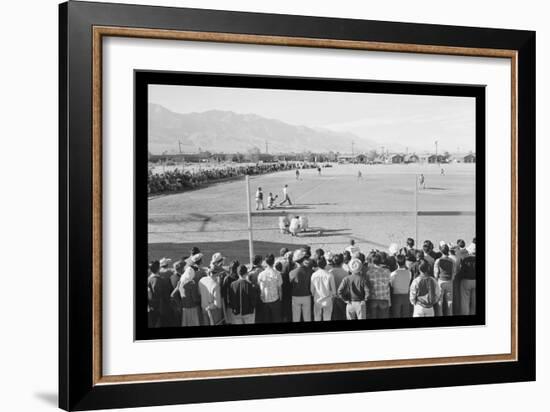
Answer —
(179, 179)
(301, 285)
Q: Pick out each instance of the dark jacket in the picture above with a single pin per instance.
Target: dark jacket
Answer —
(226, 283)
(424, 291)
(243, 296)
(354, 288)
(300, 281)
(468, 267)
(159, 290)
(445, 267)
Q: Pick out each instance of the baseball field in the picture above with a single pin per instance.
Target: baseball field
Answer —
(375, 210)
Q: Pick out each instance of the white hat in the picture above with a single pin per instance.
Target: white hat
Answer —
(442, 243)
(393, 248)
(194, 259)
(165, 262)
(355, 265)
(299, 254)
(471, 248)
(217, 258)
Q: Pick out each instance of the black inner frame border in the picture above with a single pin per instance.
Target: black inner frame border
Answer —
(144, 78)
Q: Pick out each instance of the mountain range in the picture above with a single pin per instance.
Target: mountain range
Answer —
(230, 132)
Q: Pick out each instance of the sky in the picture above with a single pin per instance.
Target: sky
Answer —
(394, 121)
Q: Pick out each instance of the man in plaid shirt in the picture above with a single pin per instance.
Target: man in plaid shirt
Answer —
(378, 279)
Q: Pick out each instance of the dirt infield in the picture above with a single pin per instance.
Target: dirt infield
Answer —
(375, 210)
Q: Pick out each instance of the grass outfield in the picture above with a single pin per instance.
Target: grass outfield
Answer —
(374, 210)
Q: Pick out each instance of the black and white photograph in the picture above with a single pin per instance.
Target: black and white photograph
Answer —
(261, 204)
(274, 206)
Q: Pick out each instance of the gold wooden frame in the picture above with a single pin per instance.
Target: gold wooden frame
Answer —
(102, 31)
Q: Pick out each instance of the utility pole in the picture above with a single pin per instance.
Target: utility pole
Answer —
(436, 148)
(266, 147)
(179, 143)
(249, 218)
(352, 150)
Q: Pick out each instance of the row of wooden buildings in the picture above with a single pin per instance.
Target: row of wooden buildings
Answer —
(396, 158)
(387, 158)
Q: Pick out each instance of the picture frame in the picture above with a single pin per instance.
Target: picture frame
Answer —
(82, 29)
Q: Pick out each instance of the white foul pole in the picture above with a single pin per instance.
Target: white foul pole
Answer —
(416, 210)
(249, 215)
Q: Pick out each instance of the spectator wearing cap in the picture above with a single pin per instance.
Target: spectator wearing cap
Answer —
(168, 273)
(179, 267)
(243, 297)
(231, 277)
(192, 268)
(210, 291)
(400, 279)
(378, 278)
(424, 292)
(270, 283)
(300, 281)
(338, 273)
(216, 267)
(175, 297)
(467, 276)
(354, 291)
(323, 290)
(352, 248)
(193, 251)
(444, 273)
(166, 270)
(188, 290)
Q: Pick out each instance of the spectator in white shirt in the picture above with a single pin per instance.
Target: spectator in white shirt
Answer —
(400, 280)
(323, 290)
(270, 282)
